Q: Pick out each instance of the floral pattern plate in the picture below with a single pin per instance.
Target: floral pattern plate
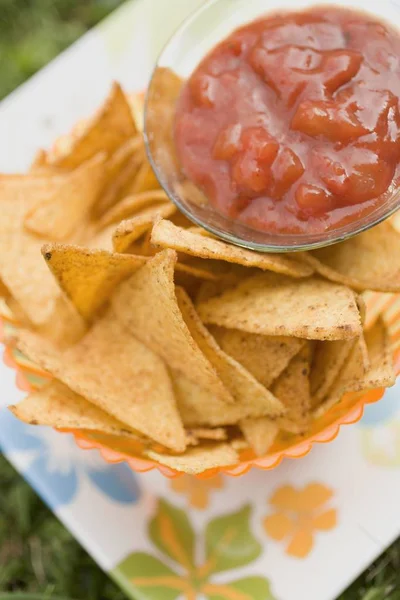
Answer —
(303, 530)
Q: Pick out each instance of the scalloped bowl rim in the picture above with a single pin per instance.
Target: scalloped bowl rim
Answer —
(142, 465)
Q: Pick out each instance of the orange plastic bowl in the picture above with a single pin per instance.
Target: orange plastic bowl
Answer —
(325, 429)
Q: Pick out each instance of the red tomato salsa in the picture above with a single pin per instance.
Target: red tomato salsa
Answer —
(292, 124)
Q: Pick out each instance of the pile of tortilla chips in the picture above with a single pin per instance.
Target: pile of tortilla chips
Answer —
(157, 334)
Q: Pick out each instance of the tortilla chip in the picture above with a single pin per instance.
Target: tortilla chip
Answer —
(111, 127)
(237, 380)
(167, 235)
(328, 361)
(381, 371)
(163, 93)
(144, 181)
(352, 377)
(88, 277)
(56, 405)
(199, 459)
(117, 184)
(265, 357)
(271, 304)
(58, 217)
(119, 374)
(130, 230)
(147, 305)
(259, 433)
(293, 389)
(217, 433)
(131, 205)
(39, 161)
(22, 267)
(195, 272)
(364, 262)
(199, 408)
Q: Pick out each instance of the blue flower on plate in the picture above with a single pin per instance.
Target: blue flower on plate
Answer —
(54, 465)
(384, 410)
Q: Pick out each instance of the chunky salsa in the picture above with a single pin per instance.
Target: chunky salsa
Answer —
(292, 123)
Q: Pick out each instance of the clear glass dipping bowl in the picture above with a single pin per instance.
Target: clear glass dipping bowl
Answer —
(203, 30)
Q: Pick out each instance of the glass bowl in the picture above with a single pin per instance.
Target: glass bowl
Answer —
(201, 32)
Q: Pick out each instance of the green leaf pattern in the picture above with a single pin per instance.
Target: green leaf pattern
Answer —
(228, 544)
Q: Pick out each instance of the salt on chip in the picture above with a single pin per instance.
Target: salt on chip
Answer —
(272, 304)
(55, 405)
(146, 303)
(364, 262)
(198, 459)
(115, 371)
(293, 389)
(130, 205)
(88, 277)
(260, 433)
(57, 217)
(111, 127)
(244, 388)
(167, 235)
(263, 356)
(130, 230)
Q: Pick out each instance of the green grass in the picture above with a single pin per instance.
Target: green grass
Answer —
(38, 558)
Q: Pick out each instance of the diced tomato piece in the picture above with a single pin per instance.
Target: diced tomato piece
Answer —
(339, 67)
(286, 170)
(313, 200)
(249, 175)
(260, 143)
(228, 142)
(328, 119)
(368, 180)
(203, 89)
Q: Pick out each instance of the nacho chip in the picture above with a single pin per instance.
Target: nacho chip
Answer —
(271, 304)
(293, 389)
(56, 405)
(39, 161)
(352, 377)
(163, 93)
(119, 374)
(147, 305)
(240, 383)
(117, 184)
(199, 459)
(130, 230)
(144, 181)
(265, 357)
(259, 433)
(22, 267)
(167, 235)
(328, 361)
(131, 205)
(364, 262)
(88, 277)
(111, 127)
(57, 217)
(199, 408)
(381, 371)
(217, 433)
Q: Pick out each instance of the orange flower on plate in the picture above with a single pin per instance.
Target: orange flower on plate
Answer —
(197, 490)
(299, 514)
